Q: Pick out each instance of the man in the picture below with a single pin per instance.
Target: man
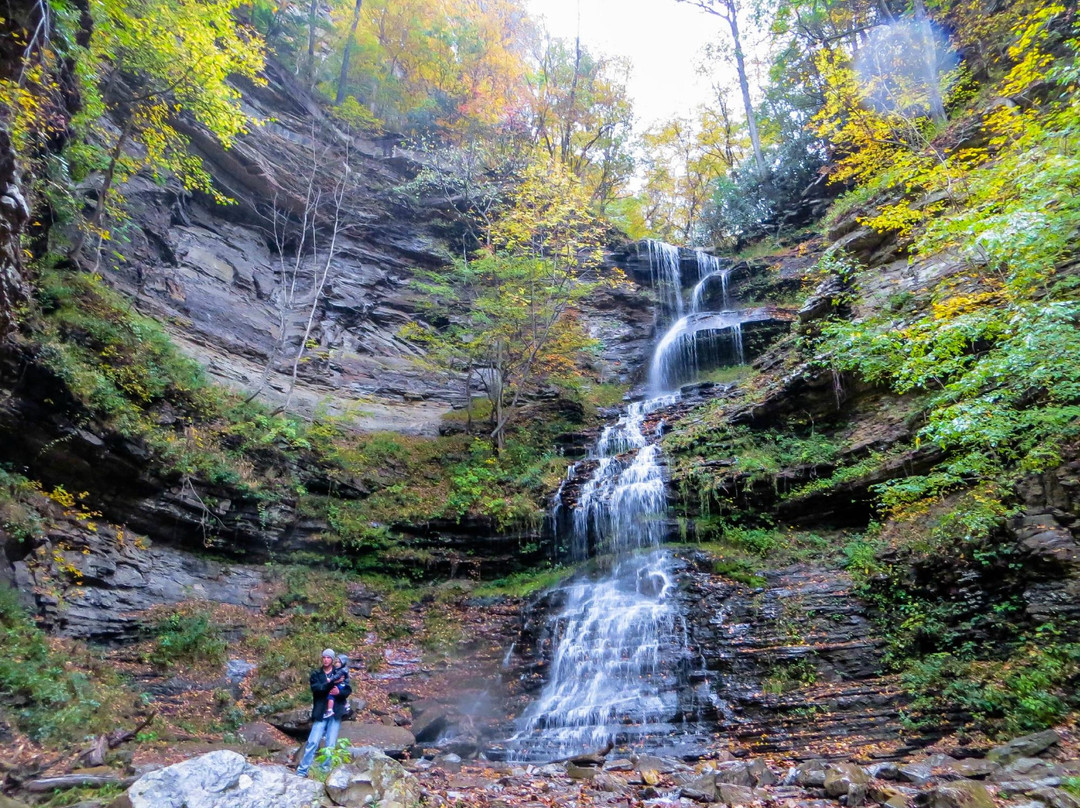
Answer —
(323, 687)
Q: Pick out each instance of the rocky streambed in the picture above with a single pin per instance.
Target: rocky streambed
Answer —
(1033, 771)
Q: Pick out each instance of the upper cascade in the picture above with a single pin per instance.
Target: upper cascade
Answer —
(701, 338)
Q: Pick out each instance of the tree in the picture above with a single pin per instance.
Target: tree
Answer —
(159, 61)
(728, 10)
(504, 319)
(686, 157)
(347, 53)
(581, 115)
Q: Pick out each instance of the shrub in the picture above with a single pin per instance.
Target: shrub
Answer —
(189, 638)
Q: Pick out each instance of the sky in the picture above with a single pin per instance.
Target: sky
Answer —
(662, 39)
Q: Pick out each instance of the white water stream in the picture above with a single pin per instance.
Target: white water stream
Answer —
(619, 641)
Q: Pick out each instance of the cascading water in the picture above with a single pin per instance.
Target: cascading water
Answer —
(619, 641)
(693, 339)
(666, 270)
(701, 338)
(709, 267)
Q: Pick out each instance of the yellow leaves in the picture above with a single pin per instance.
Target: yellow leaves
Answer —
(964, 303)
(183, 52)
(1029, 50)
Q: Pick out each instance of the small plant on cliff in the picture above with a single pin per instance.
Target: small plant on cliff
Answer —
(505, 320)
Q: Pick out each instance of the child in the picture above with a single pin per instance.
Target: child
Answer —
(340, 679)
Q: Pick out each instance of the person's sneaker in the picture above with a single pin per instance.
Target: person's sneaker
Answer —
(328, 714)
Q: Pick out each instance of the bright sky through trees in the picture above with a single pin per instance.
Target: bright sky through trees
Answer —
(662, 39)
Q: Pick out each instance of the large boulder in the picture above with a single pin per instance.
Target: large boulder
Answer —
(429, 720)
(295, 722)
(961, 794)
(372, 778)
(1025, 747)
(223, 779)
(840, 777)
(393, 741)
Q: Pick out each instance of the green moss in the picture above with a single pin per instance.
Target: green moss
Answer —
(523, 584)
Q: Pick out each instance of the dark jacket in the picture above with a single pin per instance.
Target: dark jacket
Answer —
(321, 684)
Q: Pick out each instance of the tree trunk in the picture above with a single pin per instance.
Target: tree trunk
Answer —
(106, 186)
(744, 86)
(312, 14)
(348, 53)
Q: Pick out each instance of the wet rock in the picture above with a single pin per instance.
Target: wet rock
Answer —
(961, 794)
(811, 773)
(450, 762)
(970, 768)
(468, 746)
(856, 795)
(429, 720)
(839, 777)
(885, 771)
(887, 795)
(222, 779)
(1030, 769)
(760, 773)
(372, 778)
(919, 773)
(576, 772)
(736, 772)
(656, 764)
(1026, 746)
(296, 722)
(1055, 797)
(606, 781)
(700, 789)
(392, 741)
(731, 794)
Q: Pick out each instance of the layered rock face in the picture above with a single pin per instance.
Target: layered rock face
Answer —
(248, 287)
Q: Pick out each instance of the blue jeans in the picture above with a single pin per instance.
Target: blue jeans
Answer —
(327, 726)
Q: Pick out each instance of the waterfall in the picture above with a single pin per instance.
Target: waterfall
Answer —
(697, 296)
(664, 265)
(709, 267)
(702, 339)
(619, 640)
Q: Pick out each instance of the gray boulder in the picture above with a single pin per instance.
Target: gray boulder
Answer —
(1024, 747)
(223, 779)
(840, 777)
(736, 773)
(970, 768)
(1055, 797)
(295, 722)
(961, 794)
(700, 789)
(731, 794)
(810, 774)
(372, 778)
(393, 741)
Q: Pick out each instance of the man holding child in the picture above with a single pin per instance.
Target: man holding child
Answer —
(330, 692)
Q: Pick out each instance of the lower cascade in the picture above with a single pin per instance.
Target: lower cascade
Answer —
(619, 642)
